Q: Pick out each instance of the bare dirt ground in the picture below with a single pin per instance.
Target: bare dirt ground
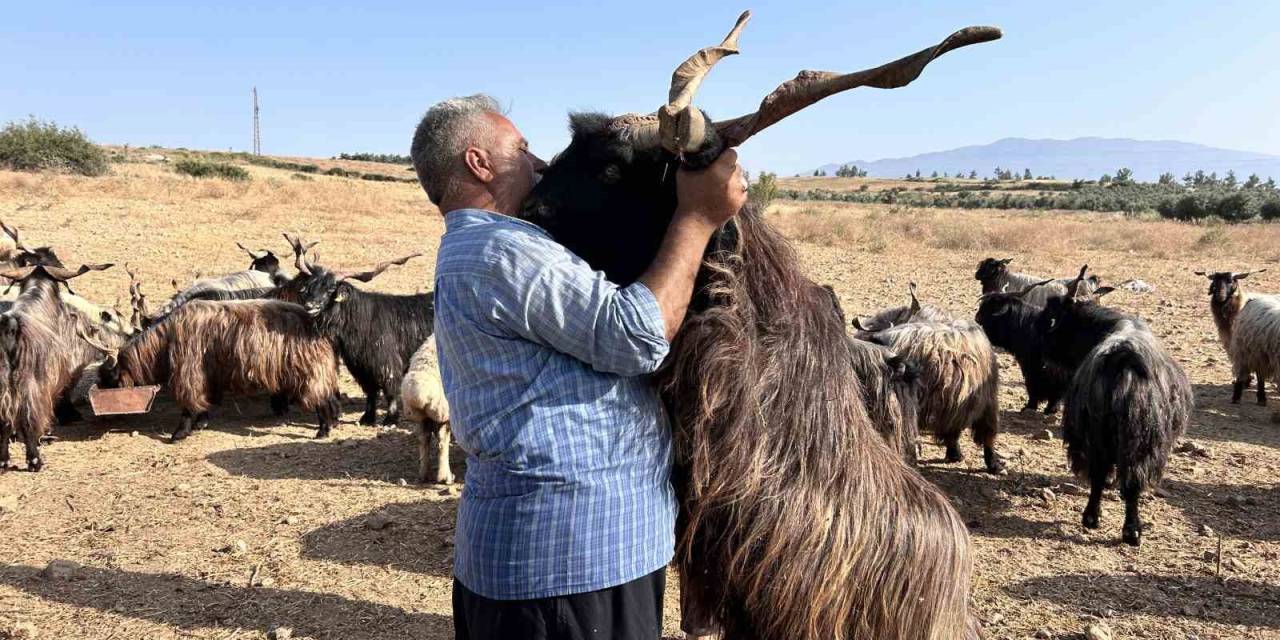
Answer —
(252, 523)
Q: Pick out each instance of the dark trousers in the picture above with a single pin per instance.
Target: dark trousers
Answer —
(631, 611)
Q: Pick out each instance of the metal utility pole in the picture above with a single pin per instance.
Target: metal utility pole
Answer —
(257, 137)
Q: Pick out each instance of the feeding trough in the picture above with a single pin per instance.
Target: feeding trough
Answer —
(119, 402)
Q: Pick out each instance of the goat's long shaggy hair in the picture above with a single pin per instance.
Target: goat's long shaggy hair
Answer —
(375, 333)
(797, 520)
(891, 390)
(205, 349)
(1254, 345)
(960, 370)
(1128, 404)
(41, 358)
(1010, 324)
(213, 287)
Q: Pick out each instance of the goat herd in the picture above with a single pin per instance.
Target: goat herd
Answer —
(254, 331)
(920, 368)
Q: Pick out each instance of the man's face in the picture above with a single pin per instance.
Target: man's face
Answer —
(516, 168)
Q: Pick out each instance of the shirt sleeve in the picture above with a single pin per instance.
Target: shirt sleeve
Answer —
(560, 301)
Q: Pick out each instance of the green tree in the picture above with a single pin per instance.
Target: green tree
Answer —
(1253, 181)
(1026, 174)
(763, 190)
(1166, 179)
(1230, 181)
(973, 174)
(1124, 176)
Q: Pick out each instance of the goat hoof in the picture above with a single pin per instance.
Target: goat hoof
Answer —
(1090, 521)
(369, 419)
(998, 468)
(179, 436)
(1030, 408)
(322, 434)
(445, 480)
(35, 464)
(390, 420)
(953, 456)
(1132, 536)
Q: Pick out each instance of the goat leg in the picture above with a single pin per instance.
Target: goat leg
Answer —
(185, 425)
(1097, 484)
(65, 412)
(6, 434)
(444, 475)
(1237, 389)
(327, 414)
(280, 404)
(393, 408)
(953, 451)
(32, 437)
(1131, 491)
(370, 416)
(1262, 389)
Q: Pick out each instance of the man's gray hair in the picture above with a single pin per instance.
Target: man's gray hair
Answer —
(447, 129)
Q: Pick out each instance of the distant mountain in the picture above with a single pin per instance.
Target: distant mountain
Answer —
(1086, 158)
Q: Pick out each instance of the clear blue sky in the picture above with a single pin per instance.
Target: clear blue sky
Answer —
(353, 76)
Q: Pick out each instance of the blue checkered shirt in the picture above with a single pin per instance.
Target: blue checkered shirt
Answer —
(544, 363)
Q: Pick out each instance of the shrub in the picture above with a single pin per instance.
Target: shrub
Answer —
(387, 158)
(342, 173)
(763, 190)
(1270, 210)
(37, 146)
(206, 169)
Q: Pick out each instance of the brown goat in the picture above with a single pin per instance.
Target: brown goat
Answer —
(205, 349)
(797, 519)
(959, 368)
(41, 355)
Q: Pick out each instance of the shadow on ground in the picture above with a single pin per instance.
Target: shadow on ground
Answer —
(389, 457)
(1233, 602)
(191, 604)
(417, 537)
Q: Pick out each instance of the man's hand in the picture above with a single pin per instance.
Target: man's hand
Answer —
(712, 195)
(705, 200)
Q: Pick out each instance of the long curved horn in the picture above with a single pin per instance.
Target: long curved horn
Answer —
(16, 274)
(252, 254)
(915, 302)
(1028, 288)
(299, 252)
(811, 86)
(62, 275)
(1073, 289)
(12, 232)
(112, 354)
(679, 126)
(365, 276)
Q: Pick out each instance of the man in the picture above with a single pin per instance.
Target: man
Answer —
(566, 523)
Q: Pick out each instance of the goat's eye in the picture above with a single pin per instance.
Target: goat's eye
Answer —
(611, 174)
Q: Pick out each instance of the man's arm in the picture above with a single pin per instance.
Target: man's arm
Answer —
(705, 200)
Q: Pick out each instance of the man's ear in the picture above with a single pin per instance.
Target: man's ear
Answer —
(479, 163)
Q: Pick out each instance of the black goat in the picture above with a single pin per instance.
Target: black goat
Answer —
(375, 333)
(1010, 323)
(1128, 402)
(782, 469)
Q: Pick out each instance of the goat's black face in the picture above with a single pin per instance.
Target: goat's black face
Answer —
(609, 201)
(38, 256)
(990, 269)
(266, 264)
(1222, 287)
(321, 290)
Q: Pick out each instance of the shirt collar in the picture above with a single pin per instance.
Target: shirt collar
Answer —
(461, 218)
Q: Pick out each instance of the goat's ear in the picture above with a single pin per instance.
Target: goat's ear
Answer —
(860, 323)
(1102, 291)
(1006, 261)
(340, 296)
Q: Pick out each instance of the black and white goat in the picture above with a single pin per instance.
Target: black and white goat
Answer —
(375, 333)
(1128, 402)
(258, 281)
(1249, 328)
(894, 316)
(995, 276)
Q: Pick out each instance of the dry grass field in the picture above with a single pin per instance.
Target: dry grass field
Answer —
(251, 523)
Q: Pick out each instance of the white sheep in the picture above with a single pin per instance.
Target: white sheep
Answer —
(422, 401)
(1249, 328)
